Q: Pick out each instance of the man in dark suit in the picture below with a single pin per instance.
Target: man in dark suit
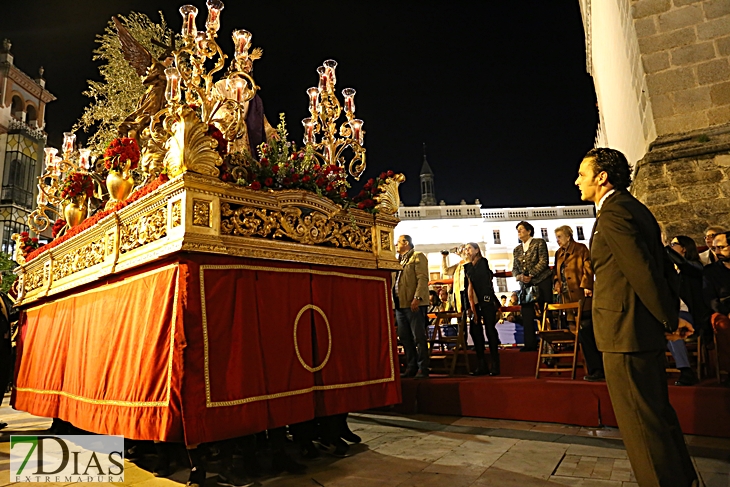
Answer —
(633, 307)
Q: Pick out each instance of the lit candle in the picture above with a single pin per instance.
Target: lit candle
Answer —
(329, 66)
(172, 90)
(313, 100)
(57, 165)
(50, 154)
(241, 42)
(239, 90)
(308, 131)
(349, 95)
(326, 154)
(189, 12)
(84, 155)
(214, 15)
(68, 143)
(357, 132)
(322, 79)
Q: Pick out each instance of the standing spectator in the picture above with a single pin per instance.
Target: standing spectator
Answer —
(716, 279)
(484, 308)
(708, 256)
(411, 299)
(573, 282)
(633, 307)
(692, 308)
(8, 315)
(457, 272)
(530, 268)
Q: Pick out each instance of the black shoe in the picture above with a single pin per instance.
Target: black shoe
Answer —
(480, 371)
(408, 374)
(687, 377)
(197, 477)
(422, 374)
(337, 449)
(595, 377)
(351, 437)
(309, 451)
(284, 463)
(227, 476)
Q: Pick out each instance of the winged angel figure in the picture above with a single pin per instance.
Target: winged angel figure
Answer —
(154, 79)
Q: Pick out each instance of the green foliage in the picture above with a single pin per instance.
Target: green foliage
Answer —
(116, 96)
(6, 267)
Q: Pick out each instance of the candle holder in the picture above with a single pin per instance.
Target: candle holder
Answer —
(322, 135)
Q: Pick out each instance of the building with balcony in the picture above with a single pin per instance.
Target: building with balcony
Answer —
(22, 139)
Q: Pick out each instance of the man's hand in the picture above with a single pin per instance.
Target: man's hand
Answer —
(683, 331)
(414, 304)
(588, 293)
(526, 279)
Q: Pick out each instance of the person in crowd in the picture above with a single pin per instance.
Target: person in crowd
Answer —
(434, 302)
(530, 268)
(633, 307)
(457, 272)
(572, 282)
(410, 295)
(444, 298)
(682, 251)
(716, 283)
(503, 300)
(483, 304)
(708, 256)
(8, 315)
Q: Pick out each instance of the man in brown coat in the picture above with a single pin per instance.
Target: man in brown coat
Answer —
(633, 306)
(573, 281)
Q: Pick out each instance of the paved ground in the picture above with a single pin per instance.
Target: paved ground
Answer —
(425, 451)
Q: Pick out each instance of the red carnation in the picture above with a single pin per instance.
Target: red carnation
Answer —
(255, 185)
(268, 181)
(57, 226)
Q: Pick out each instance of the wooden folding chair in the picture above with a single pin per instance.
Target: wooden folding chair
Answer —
(444, 318)
(556, 342)
(697, 354)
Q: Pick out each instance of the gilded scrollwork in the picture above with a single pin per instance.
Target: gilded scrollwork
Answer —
(389, 199)
(201, 213)
(78, 260)
(176, 217)
(33, 280)
(143, 230)
(304, 226)
(386, 241)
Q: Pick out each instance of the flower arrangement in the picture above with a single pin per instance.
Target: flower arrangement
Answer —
(77, 184)
(122, 154)
(27, 244)
(365, 199)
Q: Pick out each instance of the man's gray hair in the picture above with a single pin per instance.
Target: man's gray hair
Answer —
(408, 239)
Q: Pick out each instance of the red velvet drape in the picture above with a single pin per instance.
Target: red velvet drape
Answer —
(200, 348)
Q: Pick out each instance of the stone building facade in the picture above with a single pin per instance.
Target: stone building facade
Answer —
(661, 69)
(22, 140)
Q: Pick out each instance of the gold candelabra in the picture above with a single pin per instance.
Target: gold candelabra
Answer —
(325, 110)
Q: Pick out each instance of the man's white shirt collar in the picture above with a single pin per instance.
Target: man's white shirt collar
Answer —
(526, 245)
(603, 200)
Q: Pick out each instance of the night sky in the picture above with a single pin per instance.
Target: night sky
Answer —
(497, 90)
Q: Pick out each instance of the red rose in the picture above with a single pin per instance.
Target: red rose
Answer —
(24, 234)
(390, 174)
(268, 182)
(329, 188)
(321, 181)
(227, 177)
(286, 181)
(295, 177)
(306, 178)
(264, 162)
(34, 240)
(369, 203)
(343, 194)
(316, 167)
(57, 226)
(361, 205)
(255, 185)
(371, 181)
(362, 194)
(275, 168)
(382, 175)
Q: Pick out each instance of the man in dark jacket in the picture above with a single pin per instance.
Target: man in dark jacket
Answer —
(633, 307)
(717, 294)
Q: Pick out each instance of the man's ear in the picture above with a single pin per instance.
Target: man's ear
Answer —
(602, 177)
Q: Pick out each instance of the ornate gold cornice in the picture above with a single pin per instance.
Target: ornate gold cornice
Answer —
(201, 214)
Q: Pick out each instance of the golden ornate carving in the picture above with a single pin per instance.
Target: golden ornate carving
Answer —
(190, 148)
(386, 242)
(176, 217)
(389, 200)
(33, 280)
(145, 229)
(307, 227)
(201, 213)
(82, 258)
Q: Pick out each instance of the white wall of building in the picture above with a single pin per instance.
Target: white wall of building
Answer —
(434, 229)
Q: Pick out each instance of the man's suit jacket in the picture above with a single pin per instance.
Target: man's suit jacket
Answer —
(413, 281)
(632, 301)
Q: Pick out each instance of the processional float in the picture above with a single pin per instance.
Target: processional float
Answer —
(202, 285)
